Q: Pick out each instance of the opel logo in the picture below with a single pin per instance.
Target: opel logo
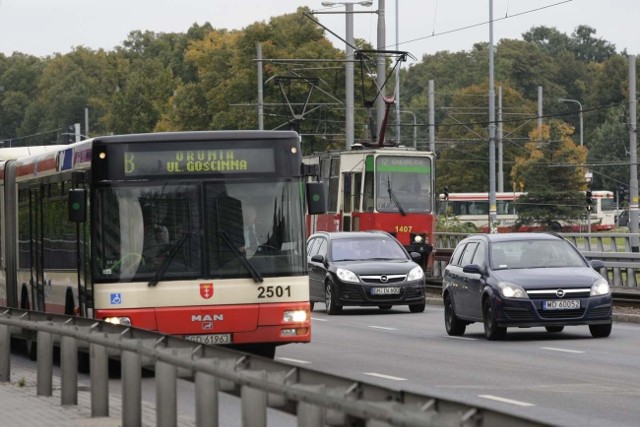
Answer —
(384, 279)
(560, 293)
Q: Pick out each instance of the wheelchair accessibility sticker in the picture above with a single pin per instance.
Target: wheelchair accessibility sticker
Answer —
(116, 298)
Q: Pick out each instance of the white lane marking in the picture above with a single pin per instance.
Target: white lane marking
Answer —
(564, 350)
(382, 327)
(387, 377)
(503, 400)
(288, 359)
(461, 338)
(319, 320)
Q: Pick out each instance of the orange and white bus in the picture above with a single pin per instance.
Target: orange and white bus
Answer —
(147, 230)
(473, 208)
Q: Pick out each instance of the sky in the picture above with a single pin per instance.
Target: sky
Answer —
(47, 27)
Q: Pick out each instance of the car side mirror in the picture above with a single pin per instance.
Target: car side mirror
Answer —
(472, 268)
(596, 264)
(416, 257)
(317, 258)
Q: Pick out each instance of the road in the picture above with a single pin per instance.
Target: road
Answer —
(568, 379)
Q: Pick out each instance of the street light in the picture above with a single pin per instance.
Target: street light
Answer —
(349, 85)
(580, 114)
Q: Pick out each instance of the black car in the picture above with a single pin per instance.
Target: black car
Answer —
(363, 268)
(524, 280)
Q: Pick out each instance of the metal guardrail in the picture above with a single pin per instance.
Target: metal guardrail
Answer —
(316, 399)
(622, 267)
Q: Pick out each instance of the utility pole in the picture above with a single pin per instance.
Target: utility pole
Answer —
(500, 146)
(633, 154)
(380, 69)
(493, 211)
(432, 118)
(260, 89)
(397, 91)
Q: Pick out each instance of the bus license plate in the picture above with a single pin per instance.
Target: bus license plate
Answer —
(210, 339)
(567, 304)
(385, 291)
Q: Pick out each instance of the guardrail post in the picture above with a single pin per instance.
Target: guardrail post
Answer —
(5, 354)
(45, 364)
(68, 371)
(308, 414)
(166, 404)
(254, 403)
(131, 389)
(206, 400)
(99, 367)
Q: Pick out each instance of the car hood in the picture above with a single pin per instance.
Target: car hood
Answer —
(540, 278)
(377, 267)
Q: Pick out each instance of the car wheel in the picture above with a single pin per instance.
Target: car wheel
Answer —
(492, 331)
(554, 328)
(417, 308)
(384, 307)
(600, 331)
(329, 300)
(453, 325)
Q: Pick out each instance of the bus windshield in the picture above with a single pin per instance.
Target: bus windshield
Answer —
(403, 184)
(171, 225)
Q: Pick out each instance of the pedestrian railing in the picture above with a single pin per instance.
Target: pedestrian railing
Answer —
(316, 399)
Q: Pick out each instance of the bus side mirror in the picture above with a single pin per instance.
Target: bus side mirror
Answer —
(77, 205)
(315, 198)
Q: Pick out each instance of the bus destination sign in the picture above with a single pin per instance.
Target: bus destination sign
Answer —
(195, 162)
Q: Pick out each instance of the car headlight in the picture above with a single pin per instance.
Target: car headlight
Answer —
(600, 287)
(415, 274)
(511, 290)
(347, 276)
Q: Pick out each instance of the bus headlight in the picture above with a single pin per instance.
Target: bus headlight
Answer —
(295, 316)
(123, 321)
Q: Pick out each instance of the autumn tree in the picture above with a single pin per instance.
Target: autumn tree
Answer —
(552, 173)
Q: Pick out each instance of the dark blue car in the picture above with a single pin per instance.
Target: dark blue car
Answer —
(524, 280)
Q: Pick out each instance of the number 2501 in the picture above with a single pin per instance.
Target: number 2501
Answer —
(274, 291)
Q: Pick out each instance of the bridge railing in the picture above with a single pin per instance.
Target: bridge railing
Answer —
(621, 266)
(316, 399)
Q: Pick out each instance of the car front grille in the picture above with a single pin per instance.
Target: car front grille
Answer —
(561, 314)
(383, 279)
(553, 293)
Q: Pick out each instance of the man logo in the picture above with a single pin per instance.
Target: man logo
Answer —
(206, 290)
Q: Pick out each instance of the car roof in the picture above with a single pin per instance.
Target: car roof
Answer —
(506, 237)
(334, 235)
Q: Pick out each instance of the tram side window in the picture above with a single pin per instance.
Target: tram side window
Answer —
(368, 192)
(334, 180)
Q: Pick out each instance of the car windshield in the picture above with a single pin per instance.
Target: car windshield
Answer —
(382, 248)
(534, 254)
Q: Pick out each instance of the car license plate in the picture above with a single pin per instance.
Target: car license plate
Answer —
(210, 339)
(385, 291)
(561, 304)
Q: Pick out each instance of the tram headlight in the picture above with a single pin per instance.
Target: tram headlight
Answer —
(295, 316)
(123, 321)
(419, 239)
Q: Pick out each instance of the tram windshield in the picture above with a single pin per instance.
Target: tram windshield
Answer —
(403, 184)
(181, 230)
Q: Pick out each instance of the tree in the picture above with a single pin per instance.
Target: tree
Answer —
(552, 175)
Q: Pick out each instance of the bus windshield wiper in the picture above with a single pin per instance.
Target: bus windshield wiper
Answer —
(255, 274)
(162, 269)
(394, 199)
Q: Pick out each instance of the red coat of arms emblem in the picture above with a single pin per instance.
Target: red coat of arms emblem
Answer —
(206, 290)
